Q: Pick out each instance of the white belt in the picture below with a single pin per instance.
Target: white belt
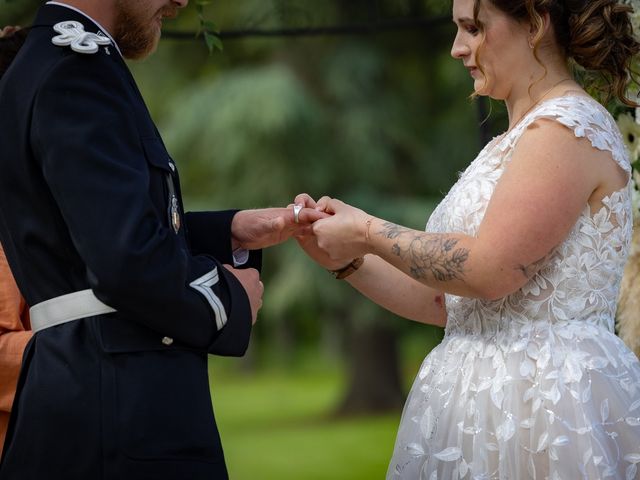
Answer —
(66, 308)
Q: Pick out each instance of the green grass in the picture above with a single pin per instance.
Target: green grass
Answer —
(277, 425)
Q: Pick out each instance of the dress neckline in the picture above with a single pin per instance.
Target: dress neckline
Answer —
(568, 94)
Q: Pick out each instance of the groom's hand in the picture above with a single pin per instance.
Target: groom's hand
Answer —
(262, 228)
(250, 280)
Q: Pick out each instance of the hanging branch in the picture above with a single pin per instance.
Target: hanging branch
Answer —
(357, 29)
(207, 28)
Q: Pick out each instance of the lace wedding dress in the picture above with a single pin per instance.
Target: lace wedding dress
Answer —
(534, 385)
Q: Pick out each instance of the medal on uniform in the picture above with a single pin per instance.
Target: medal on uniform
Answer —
(174, 214)
(174, 206)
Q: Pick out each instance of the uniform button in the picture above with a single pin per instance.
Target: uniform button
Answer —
(167, 341)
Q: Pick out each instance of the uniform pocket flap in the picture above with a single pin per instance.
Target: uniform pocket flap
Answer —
(156, 153)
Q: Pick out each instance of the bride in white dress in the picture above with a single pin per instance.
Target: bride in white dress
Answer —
(527, 250)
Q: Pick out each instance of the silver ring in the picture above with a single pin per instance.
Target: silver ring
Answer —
(296, 213)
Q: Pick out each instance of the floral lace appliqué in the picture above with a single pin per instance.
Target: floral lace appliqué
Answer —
(534, 385)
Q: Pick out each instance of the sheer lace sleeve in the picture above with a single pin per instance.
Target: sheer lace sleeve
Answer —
(586, 118)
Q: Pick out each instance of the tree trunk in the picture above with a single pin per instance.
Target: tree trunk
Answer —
(374, 375)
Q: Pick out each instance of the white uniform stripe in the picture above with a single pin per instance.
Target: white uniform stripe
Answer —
(203, 286)
(66, 308)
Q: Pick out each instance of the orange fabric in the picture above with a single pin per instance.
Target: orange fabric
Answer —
(14, 335)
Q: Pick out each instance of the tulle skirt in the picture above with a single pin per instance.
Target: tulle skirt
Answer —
(556, 401)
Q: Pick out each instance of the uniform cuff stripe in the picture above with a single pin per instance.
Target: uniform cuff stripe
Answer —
(203, 286)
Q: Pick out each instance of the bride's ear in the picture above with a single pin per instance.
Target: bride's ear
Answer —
(538, 29)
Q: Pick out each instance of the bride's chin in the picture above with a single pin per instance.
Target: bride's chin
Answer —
(481, 89)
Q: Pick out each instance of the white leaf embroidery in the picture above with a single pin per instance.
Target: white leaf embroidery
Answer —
(526, 423)
(560, 441)
(449, 454)
(632, 458)
(528, 395)
(415, 449)
(542, 442)
(505, 431)
(426, 423)
(604, 410)
(634, 405)
(464, 468)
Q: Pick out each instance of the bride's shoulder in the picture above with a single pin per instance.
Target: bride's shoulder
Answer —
(577, 111)
(584, 117)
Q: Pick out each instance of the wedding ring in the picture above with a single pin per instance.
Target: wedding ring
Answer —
(296, 213)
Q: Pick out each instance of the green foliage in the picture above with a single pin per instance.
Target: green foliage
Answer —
(14, 12)
(381, 121)
(278, 426)
(374, 121)
(208, 29)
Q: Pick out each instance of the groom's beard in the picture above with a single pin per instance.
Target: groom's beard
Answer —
(137, 30)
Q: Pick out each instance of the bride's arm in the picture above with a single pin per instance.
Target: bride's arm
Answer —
(543, 190)
(381, 282)
(397, 292)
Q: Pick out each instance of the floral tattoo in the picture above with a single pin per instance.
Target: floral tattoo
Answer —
(435, 255)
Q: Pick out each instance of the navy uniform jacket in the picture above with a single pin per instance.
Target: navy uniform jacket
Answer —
(86, 194)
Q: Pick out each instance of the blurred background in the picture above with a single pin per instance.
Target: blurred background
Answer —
(357, 99)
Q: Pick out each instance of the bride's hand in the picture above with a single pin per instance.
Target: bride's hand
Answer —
(309, 242)
(343, 235)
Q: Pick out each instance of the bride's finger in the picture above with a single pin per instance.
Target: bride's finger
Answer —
(333, 205)
(304, 233)
(310, 215)
(305, 200)
(322, 203)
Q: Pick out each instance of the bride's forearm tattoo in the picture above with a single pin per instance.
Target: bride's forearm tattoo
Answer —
(435, 255)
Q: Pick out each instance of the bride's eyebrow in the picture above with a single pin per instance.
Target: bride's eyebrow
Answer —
(463, 20)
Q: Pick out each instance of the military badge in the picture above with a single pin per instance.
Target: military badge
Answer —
(174, 214)
(73, 34)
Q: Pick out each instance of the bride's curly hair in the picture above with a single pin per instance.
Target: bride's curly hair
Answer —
(595, 34)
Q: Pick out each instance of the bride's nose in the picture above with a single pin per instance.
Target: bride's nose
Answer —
(460, 49)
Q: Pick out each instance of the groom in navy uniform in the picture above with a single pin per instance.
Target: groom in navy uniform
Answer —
(128, 293)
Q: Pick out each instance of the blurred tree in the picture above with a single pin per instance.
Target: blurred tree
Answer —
(368, 121)
(381, 121)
